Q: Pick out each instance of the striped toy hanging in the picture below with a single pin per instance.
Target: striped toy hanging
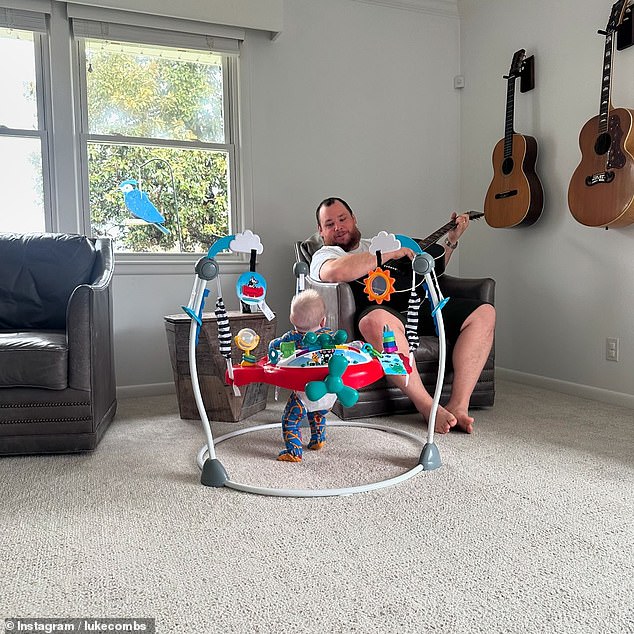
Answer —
(224, 330)
(411, 327)
(224, 337)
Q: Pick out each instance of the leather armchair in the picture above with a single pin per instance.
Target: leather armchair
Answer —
(382, 398)
(57, 383)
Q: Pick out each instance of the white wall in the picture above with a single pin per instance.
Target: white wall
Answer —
(562, 288)
(353, 99)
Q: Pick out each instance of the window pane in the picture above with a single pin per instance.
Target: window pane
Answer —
(18, 106)
(21, 192)
(154, 92)
(188, 188)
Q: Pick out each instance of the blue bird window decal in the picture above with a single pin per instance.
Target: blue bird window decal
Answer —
(140, 206)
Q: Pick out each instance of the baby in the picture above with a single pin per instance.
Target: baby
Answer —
(308, 314)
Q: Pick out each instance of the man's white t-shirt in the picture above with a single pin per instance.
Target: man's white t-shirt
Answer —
(332, 253)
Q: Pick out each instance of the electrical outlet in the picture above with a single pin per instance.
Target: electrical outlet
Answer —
(612, 349)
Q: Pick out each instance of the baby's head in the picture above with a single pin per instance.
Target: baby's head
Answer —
(308, 311)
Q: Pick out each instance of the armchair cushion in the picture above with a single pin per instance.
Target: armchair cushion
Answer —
(306, 249)
(34, 359)
(39, 278)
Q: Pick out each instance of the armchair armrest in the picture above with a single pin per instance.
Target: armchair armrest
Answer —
(103, 270)
(482, 288)
(340, 306)
(89, 326)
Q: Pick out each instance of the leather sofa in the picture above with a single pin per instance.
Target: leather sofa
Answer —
(382, 398)
(57, 381)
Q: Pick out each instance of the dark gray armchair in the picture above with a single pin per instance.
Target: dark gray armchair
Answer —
(57, 383)
(382, 397)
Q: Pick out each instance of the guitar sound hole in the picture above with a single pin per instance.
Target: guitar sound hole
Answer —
(507, 166)
(603, 143)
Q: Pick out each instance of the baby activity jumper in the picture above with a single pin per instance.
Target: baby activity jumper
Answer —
(319, 366)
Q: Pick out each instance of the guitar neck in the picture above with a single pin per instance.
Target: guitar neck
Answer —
(616, 19)
(604, 109)
(434, 237)
(510, 112)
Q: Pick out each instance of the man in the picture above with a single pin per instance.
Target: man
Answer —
(469, 324)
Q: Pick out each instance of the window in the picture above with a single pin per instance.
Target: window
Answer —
(159, 140)
(23, 137)
(122, 124)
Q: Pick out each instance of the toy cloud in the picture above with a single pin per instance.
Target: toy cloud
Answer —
(245, 242)
(384, 242)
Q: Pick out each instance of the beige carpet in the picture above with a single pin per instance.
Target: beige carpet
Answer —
(527, 527)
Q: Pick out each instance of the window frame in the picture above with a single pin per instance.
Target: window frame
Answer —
(44, 111)
(231, 108)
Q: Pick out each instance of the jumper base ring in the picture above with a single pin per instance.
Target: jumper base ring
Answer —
(362, 488)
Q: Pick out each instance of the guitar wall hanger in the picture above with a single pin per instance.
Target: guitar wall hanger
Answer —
(526, 74)
(625, 31)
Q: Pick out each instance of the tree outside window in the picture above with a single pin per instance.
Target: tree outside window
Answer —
(156, 120)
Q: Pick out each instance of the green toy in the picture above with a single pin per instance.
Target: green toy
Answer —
(333, 384)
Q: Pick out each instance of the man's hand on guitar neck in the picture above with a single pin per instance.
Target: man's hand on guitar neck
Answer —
(462, 222)
(451, 240)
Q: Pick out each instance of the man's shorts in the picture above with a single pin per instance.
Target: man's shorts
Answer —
(454, 313)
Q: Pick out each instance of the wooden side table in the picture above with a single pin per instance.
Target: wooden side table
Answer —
(220, 402)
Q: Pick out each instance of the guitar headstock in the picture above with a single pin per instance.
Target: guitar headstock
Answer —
(616, 15)
(516, 64)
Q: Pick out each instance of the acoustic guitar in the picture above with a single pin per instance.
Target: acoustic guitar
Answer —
(515, 196)
(601, 190)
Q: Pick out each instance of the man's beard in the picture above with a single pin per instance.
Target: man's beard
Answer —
(351, 240)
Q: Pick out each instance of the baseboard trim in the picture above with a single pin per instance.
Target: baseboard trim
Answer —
(150, 389)
(556, 385)
(566, 387)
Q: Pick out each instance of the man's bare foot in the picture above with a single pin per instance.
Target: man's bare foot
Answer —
(464, 422)
(445, 420)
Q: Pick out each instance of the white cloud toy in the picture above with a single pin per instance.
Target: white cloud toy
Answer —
(245, 242)
(384, 242)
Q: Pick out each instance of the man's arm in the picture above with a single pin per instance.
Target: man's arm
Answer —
(351, 266)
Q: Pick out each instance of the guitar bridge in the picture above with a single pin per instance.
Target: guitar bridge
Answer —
(603, 177)
(507, 194)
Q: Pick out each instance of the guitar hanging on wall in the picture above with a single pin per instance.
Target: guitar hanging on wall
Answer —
(515, 196)
(601, 190)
